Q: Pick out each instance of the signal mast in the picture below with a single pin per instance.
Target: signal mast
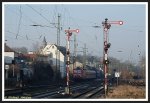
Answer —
(106, 26)
(69, 34)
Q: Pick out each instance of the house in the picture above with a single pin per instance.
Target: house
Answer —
(43, 58)
(56, 56)
(31, 57)
(15, 62)
(9, 59)
(9, 55)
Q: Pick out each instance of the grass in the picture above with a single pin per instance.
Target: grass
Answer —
(127, 92)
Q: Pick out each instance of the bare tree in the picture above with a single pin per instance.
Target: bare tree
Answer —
(22, 50)
(142, 64)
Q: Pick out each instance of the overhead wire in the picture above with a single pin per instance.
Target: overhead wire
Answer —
(75, 23)
(23, 17)
(18, 32)
(39, 13)
(19, 23)
(20, 35)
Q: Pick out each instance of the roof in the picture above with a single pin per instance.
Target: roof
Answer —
(8, 49)
(62, 49)
(30, 55)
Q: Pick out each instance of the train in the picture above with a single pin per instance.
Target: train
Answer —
(86, 73)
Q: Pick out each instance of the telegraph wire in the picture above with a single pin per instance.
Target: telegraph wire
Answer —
(21, 18)
(26, 17)
(21, 36)
(19, 23)
(75, 23)
(38, 13)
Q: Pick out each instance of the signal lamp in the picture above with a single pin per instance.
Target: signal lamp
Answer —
(108, 45)
(106, 61)
(67, 62)
(68, 52)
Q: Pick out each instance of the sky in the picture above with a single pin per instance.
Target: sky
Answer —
(130, 38)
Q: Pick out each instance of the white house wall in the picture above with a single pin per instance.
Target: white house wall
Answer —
(52, 49)
(9, 56)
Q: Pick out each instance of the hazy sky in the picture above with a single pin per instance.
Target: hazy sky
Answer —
(130, 38)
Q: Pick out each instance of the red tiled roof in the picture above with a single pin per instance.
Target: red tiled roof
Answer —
(30, 55)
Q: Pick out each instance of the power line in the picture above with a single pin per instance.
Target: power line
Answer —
(18, 14)
(19, 23)
(21, 35)
(75, 23)
(73, 18)
(20, 19)
(84, 55)
(38, 13)
(26, 17)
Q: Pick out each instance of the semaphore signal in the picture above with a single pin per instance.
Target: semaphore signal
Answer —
(106, 26)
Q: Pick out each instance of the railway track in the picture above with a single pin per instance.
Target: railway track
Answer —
(29, 90)
(49, 91)
(13, 92)
(57, 93)
(60, 92)
(21, 91)
(89, 93)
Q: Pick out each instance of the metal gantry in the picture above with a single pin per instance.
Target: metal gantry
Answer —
(58, 46)
(75, 52)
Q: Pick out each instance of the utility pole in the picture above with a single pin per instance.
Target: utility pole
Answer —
(84, 55)
(13, 62)
(58, 46)
(75, 50)
(69, 34)
(106, 26)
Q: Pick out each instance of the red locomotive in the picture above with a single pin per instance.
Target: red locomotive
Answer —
(85, 73)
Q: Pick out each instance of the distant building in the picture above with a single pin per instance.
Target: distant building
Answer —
(10, 60)
(30, 52)
(43, 58)
(54, 56)
(19, 61)
(31, 57)
(9, 54)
